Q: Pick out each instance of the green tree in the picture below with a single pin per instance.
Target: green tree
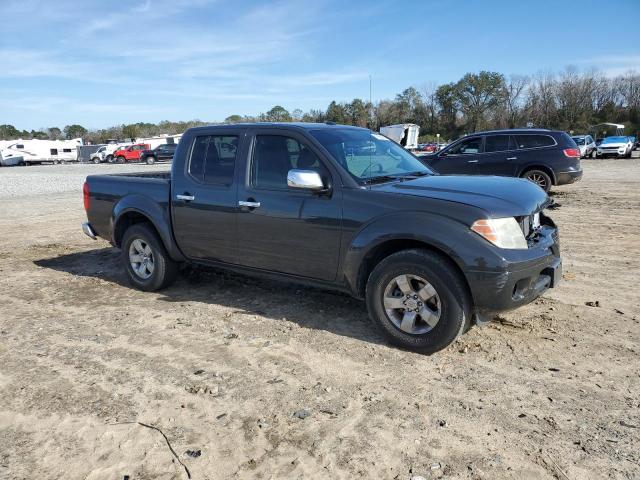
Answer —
(74, 131)
(336, 112)
(479, 93)
(54, 133)
(448, 108)
(277, 114)
(233, 119)
(358, 113)
(130, 131)
(39, 135)
(8, 132)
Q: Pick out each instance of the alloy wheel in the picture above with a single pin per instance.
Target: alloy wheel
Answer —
(141, 258)
(412, 304)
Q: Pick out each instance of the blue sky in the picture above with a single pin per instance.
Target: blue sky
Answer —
(103, 63)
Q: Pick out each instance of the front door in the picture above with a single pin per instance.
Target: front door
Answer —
(204, 198)
(460, 158)
(500, 156)
(283, 229)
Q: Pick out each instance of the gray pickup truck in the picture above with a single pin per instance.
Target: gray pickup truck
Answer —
(338, 207)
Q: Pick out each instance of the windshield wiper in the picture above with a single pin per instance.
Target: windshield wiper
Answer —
(421, 173)
(380, 179)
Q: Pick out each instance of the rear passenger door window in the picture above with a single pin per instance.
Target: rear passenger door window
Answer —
(499, 143)
(213, 159)
(534, 141)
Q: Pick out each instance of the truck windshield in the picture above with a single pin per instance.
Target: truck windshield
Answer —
(578, 140)
(368, 155)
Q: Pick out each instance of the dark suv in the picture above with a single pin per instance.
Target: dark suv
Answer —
(546, 157)
(161, 153)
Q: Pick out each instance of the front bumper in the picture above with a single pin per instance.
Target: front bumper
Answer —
(88, 230)
(571, 176)
(518, 282)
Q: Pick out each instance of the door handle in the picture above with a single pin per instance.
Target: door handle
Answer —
(472, 161)
(185, 197)
(512, 158)
(249, 204)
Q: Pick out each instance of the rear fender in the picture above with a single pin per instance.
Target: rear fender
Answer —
(156, 213)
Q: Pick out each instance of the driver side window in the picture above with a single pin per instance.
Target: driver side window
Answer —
(275, 155)
(467, 147)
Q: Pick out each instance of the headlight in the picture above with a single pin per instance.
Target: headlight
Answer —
(502, 232)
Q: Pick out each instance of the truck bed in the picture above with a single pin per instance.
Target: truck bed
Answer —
(163, 175)
(110, 194)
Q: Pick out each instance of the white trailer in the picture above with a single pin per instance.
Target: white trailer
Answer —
(406, 134)
(39, 151)
(153, 142)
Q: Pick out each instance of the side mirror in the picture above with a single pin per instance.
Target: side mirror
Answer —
(305, 179)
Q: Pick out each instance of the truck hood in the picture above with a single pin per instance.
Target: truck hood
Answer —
(614, 144)
(498, 196)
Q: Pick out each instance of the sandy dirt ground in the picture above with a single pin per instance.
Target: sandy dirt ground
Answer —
(224, 376)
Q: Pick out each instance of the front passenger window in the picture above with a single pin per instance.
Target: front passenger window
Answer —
(275, 155)
(467, 147)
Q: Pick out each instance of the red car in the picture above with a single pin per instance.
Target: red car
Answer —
(130, 154)
(427, 147)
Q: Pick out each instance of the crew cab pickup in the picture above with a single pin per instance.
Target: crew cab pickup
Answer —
(131, 153)
(338, 207)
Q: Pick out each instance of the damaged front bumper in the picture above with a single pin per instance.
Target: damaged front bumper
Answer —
(523, 276)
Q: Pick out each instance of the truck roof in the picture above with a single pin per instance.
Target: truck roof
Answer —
(286, 125)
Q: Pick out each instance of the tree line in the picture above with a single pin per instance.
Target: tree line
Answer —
(571, 100)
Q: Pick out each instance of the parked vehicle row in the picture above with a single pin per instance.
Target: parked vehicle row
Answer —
(140, 152)
(427, 252)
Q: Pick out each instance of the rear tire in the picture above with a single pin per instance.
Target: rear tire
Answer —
(110, 158)
(539, 177)
(145, 259)
(392, 302)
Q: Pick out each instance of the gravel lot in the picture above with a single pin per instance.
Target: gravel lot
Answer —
(46, 179)
(257, 379)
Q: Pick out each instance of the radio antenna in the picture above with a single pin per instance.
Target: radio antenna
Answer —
(370, 126)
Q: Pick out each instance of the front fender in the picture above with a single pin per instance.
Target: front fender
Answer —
(447, 235)
(157, 213)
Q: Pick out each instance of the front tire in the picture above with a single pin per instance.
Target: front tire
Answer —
(145, 259)
(419, 300)
(150, 160)
(540, 178)
(121, 160)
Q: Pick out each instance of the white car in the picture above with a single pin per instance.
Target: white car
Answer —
(615, 146)
(586, 144)
(99, 155)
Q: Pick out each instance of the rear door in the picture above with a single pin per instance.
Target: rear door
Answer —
(204, 197)
(282, 229)
(460, 158)
(499, 157)
(167, 152)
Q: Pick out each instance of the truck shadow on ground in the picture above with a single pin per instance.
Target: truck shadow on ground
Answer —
(307, 306)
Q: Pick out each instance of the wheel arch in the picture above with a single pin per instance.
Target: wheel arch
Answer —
(388, 247)
(131, 211)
